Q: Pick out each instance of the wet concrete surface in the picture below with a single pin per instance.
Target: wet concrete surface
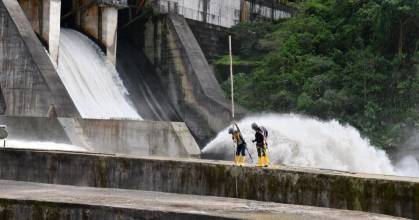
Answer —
(66, 197)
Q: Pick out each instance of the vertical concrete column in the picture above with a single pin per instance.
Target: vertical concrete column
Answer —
(51, 13)
(149, 41)
(205, 11)
(108, 33)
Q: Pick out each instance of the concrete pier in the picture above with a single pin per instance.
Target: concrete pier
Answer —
(108, 31)
(97, 19)
(392, 195)
(44, 17)
(24, 200)
(51, 14)
(170, 45)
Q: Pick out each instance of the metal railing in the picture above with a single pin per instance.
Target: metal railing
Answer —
(166, 6)
(113, 3)
(221, 19)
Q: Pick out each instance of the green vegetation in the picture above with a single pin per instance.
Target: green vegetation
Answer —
(353, 60)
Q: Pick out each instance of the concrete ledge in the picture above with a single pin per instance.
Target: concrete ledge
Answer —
(397, 196)
(114, 136)
(24, 200)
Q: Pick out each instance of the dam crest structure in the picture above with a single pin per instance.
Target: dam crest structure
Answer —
(108, 104)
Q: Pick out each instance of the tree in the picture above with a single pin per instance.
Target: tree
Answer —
(351, 60)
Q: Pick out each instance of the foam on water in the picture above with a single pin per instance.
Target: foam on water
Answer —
(93, 84)
(43, 145)
(302, 141)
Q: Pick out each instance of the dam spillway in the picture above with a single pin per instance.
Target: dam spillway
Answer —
(92, 82)
(31, 85)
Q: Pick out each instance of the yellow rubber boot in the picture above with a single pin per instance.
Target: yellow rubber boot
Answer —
(243, 159)
(263, 161)
(266, 160)
(260, 162)
(236, 160)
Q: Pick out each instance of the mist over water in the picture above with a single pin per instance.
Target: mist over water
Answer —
(42, 145)
(93, 84)
(302, 141)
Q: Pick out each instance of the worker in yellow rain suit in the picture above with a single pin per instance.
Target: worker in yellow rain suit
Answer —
(261, 145)
(240, 145)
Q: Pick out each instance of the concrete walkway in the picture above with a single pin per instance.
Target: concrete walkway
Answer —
(15, 193)
(390, 195)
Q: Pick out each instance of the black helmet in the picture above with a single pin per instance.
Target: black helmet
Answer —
(255, 126)
(230, 130)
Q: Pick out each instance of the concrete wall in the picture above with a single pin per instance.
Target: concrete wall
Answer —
(193, 89)
(390, 195)
(29, 200)
(132, 137)
(213, 39)
(12, 209)
(107, 136)
(226, 13)
(139, 78)
(35, 129)
(2, 103)
(28, 79)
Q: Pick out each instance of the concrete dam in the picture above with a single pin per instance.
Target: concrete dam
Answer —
(113, 111)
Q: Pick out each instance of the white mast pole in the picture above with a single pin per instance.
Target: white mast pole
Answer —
(231, 78)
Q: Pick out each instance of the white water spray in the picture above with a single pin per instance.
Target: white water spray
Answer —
(301, 141)
(43, 145)
(93, 84)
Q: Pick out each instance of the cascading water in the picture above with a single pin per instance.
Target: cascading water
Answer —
(302, 141)
(93, 84)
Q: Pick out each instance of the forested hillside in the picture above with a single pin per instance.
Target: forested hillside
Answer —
(356, 61)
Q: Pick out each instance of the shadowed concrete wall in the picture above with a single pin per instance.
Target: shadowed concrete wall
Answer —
(28, 79)
(213, 39)
(398, 196)
(2, 103)
(36, 210)
(139, 78)
(172, 47)
(107, 136)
